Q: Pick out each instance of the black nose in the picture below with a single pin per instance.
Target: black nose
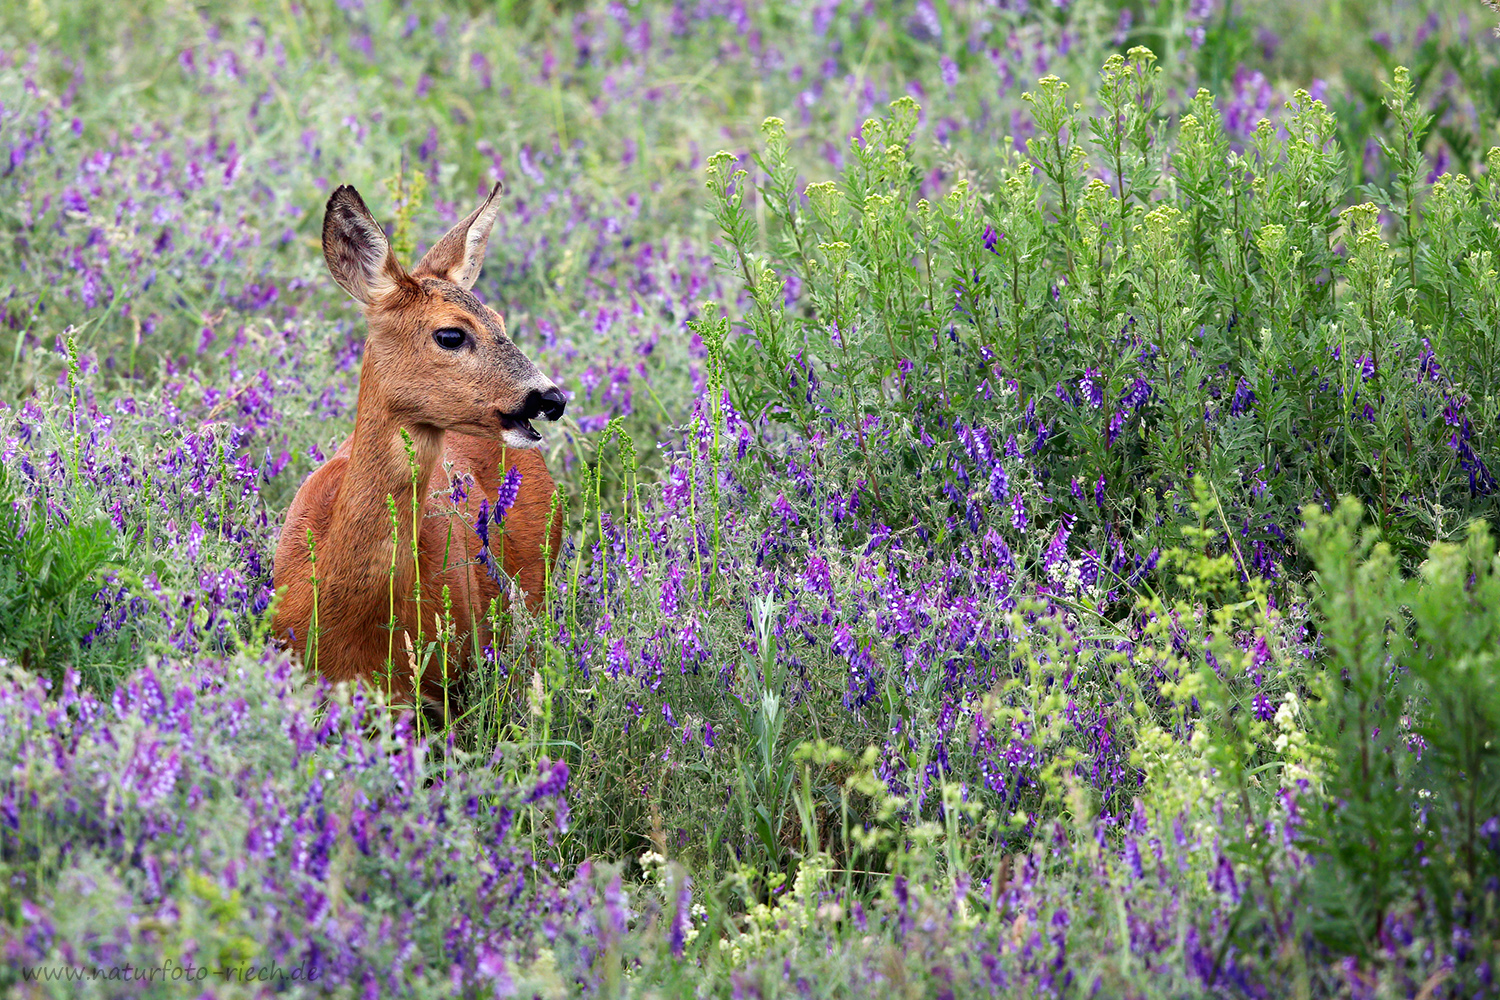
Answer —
(549, 404)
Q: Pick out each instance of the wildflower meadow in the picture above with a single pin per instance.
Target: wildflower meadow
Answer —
(1025, 510)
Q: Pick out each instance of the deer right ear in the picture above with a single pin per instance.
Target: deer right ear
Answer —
(459, 255)
(358, 254)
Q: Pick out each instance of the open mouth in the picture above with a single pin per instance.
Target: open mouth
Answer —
(520, 425)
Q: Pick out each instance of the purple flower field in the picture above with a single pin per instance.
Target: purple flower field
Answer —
(1023, 494)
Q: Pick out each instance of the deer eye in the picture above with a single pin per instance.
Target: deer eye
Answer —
(450, 339)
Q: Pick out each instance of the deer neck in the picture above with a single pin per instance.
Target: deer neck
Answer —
(360, 550)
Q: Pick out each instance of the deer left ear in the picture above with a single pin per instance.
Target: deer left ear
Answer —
(459, 255)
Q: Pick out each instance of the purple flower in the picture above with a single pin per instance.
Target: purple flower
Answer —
(482, 523)
(1243, 400)
(1088, 570)
(1491, 831)
(671, 589)
(784, 510)
(505, 496)
(1057, 550)
(949, 70)
(617, 663)
(1268, 41)
(682, 917)
(817, 577)
(1133, 858)
(1439, 164)
(1090, 389)
(1116, 424)
(1137, 395)
(1223, 880)
(552, 779)
(1428, 367)
(1251, 101)
(999, 483)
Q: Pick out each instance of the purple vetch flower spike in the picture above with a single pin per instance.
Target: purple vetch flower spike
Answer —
(1018, 517)
(903, 905)
(784, 510)
(1137, 395)
(1057, 550)
(1099, 493)
(1491, 831)
(552, 780)
(1243, 400)
(482, 523)
(1428, 367)
(1090, 389)
(1439, 164)
(949, 70)
(616, 909)
(1223, 879)
(843, 640)
(618, 660)
(991, 237)
(1088, 570)
(999, 483)
(682, 915)
(1269, 42)
(505, 497)
(817, 577)
(863, 684)
(671, 589)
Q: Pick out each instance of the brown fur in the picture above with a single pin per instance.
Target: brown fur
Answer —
(450, 403)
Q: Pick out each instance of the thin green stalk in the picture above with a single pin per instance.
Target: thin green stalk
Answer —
(312, 625)
(391, 626)
(416, 563)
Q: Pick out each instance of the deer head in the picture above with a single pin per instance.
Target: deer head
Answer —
(436, 356)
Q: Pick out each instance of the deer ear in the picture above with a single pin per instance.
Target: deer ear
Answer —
(458, 256)
(358, 254)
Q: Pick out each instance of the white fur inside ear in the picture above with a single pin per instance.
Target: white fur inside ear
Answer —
(372, 249)
(357, 251)
(380, 283)
(476, 240)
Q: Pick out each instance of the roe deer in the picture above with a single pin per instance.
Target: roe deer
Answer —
(438, 365)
